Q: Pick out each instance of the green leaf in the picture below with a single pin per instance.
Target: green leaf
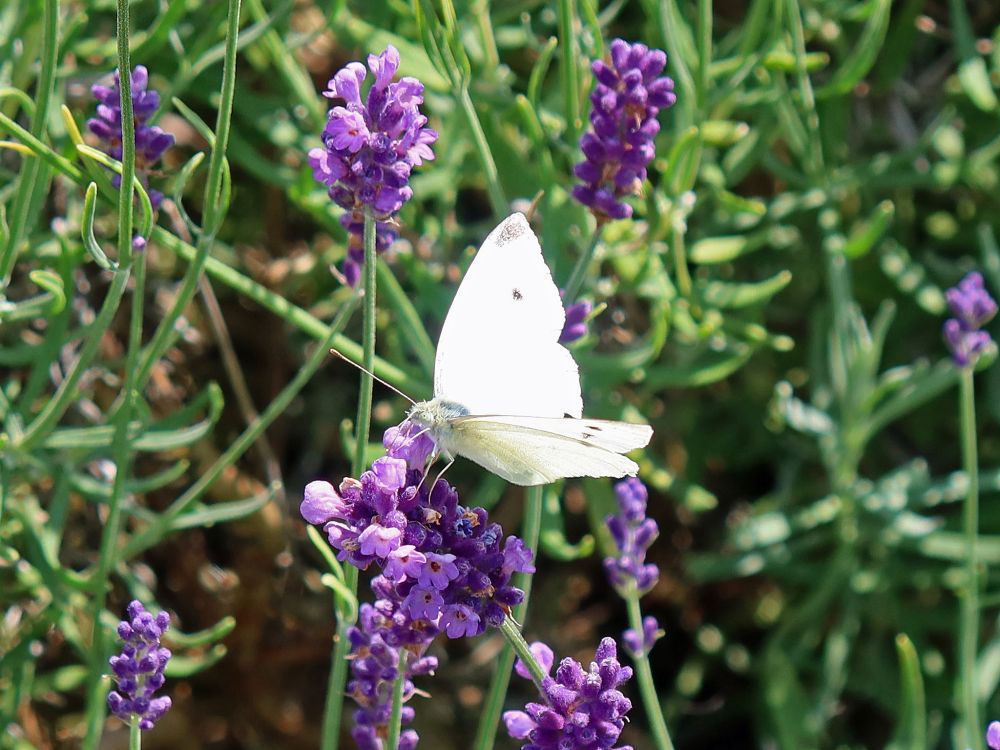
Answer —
(911, 277)
(865, 234)
(186, 665)
(708, 367)
(553, 534)
(729, 295)
(202, 515)
(863, 53)
(201, 638)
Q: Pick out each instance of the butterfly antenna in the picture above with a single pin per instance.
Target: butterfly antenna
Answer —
(390, 386)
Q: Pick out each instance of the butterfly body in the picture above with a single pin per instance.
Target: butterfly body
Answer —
(506, 393)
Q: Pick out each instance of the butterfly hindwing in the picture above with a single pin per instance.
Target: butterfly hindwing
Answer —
(530, 450)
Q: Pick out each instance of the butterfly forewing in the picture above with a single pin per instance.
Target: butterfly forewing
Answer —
(498, 352)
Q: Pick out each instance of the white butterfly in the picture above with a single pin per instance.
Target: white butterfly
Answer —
(506, 393)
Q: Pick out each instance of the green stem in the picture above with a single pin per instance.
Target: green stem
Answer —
(155, 531)
(363, 422)
(680, 261)
(134, 736)
(497, 198)
(212, 210)
(644, 678)
(120, 447)
(489, 720)
(571, 87)
(24, 194)
(969, 613)
(334, 711)
(704, 50)
(396, 717)
(575, 283)
(512, 633)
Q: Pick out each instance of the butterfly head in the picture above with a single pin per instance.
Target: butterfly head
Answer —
(436, 413)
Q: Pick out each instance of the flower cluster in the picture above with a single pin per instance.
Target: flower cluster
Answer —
(972, 307)
(150, 141)
(370, 148)
(582, 708)
(629, 94)
(138, 670)
(575, 326)
(993, 735)
(444, 568)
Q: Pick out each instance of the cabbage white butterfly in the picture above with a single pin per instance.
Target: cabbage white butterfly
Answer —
(506, 393)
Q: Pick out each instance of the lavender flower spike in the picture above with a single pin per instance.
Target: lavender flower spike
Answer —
(629, 94)
(444, 568)
(972, 307)
(582, 708)
(150, 141)
(138, 670)
(993, 735)
(369, 149)
(633, 533)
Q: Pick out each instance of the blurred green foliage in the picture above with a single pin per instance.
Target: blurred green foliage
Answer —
(773, 311)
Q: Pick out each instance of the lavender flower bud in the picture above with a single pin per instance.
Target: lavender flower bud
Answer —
(639, 644)
(972, 307)
(575, 326)
(626, 100)
(369, 149)
(138, 669)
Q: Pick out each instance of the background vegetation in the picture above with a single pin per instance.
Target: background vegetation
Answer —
(774, 311)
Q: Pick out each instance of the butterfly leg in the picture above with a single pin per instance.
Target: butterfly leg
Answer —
(430, 463)
(441, 474)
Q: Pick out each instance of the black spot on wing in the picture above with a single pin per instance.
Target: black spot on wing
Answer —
(511, 229)
(516, 294)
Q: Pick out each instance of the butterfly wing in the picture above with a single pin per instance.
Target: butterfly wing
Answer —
(499, 350)
(532, 450)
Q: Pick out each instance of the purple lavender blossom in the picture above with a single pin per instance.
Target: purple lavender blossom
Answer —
(972, 307)
(575, 326)
(629, 94)
(582, 709)
(150, 141)
(138, 670)
(633, 533)
(369, 149)
(445, 568)
(993, 735)
(640, 644)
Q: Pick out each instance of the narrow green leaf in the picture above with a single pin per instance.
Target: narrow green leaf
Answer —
(210, 635)
(730, 295)
(863, 53)
(186, 665)
(206, 516)
(87, 229)
(866, 234)
(553, 534)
